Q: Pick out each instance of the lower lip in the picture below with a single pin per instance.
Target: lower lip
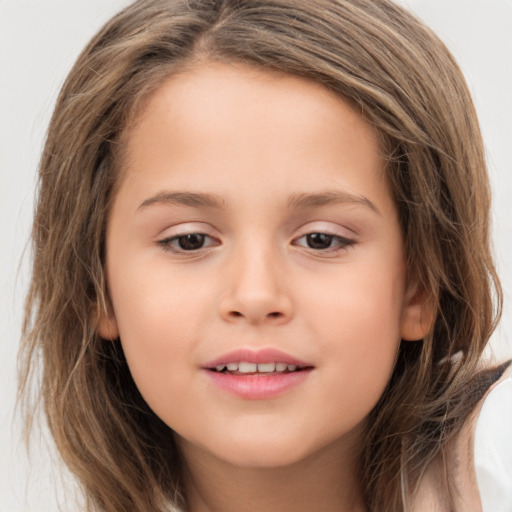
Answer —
(258, 387)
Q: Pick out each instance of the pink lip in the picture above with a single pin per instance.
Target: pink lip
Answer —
(261, 386)
(257, 387)
(266, 355)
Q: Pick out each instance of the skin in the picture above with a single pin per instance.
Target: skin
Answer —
(259, 142)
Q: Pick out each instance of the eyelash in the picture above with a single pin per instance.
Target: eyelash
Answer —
(342, 242)
(167, 243)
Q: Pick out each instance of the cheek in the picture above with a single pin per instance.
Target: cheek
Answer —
(358, 326)
(154, 302)
(159, 327)
(363, 303)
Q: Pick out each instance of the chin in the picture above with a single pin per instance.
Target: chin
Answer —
(262, 451)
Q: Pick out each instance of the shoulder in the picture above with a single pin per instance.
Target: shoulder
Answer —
(479, 458)
(493, 446)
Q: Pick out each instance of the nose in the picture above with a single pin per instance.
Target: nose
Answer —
(256, 290)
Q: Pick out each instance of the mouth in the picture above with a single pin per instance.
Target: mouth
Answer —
(264, 361)
(247, 368)
(257, 375)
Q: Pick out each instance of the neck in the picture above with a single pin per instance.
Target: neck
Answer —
(325, 481)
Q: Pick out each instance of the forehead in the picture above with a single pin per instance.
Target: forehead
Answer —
(212, 90)
(252, 124)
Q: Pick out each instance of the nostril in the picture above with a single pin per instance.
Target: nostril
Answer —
(236, 314)
(275, 314)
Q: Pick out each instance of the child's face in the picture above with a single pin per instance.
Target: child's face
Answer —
(293, 244)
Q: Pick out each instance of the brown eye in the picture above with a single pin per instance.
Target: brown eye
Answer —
(188, 242)
(323, 242)
(191, 242)
(319, 240)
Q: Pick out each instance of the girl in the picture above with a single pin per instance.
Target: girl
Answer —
(262, 277)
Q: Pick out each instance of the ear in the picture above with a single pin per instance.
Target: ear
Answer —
(107, 324)
(418, 313)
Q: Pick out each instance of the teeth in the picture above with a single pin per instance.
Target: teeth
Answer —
(245, 367)
(266, 367)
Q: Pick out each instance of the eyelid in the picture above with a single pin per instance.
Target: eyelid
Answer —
(166, 242)
(344, 241)
(186, 228)
(336, 231)
(329, 228)
(174, 233)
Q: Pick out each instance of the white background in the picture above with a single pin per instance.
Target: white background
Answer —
(39, 40)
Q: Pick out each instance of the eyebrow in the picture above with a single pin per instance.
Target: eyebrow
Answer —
(300, 201)
(304, 201)
(192, 199)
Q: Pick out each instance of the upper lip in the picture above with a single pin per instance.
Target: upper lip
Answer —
(266, 355)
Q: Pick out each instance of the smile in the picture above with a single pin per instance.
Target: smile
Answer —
(245, 368)
(257, 375)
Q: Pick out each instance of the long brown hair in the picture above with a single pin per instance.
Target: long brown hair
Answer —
(404, 81)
